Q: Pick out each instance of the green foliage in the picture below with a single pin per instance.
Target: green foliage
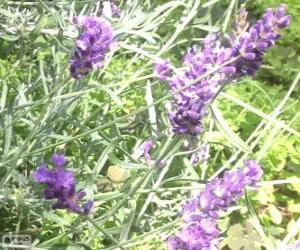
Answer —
(101, 121)
(281, 160)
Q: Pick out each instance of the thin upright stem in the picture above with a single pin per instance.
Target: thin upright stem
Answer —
(103, 231)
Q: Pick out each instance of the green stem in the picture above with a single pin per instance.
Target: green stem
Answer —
(102, 231)
(141, 237)
(142, 109)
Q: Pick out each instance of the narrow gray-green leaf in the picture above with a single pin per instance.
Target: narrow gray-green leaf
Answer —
(225, 128)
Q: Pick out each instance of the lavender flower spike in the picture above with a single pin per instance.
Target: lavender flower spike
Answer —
(253, 43)
(243, 57)
(91, 46)
(200, 215)
(61, 185)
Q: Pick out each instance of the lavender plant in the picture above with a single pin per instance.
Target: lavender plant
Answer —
(109, 116)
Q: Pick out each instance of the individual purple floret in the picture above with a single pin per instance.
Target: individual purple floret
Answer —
(59, 160)
(254, 171)
(200, 215)
(162, 69)
(201, 156)
(147, 147)
(175, 243)
(87, 207)
(61, 185)
(228, 63)
(116, 10)
(91, 46)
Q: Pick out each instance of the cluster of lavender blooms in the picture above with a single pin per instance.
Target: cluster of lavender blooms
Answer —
(61, 185)
(242, 57)
(91, 46)
(200, 215)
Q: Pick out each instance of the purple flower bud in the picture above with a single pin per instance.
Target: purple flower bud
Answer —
(253, 171)
(241, 21)
(249, 56)
(280, 12)
(205, 200)
(116, 10)
(188, 209)
(284, 22)
(174, 243)
(268, 17)
(229, 70)
(147, 147)
(263, 34)
(253, 33)
(201, 156)
(43, 174)
(210, 40)
(243, 13)
(59, 160)
(81, 195)
(189, 56)
(262, 46)
(88, 207)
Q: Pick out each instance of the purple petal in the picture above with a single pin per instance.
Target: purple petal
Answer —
(59, 160)
(88, 207)
(147, 147)
(42, 174)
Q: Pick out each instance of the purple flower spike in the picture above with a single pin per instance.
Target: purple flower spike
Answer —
(254, 42)
(91, 46)
(61, 185)
(248, 45)
(200, 215)
(191, 104)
